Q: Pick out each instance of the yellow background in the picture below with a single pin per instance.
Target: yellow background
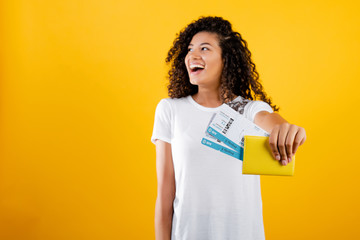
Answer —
(80, 81)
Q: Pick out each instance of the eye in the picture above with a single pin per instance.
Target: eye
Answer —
(204, 48)
(189, 49)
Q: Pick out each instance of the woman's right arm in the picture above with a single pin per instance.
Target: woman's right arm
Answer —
(165, 191)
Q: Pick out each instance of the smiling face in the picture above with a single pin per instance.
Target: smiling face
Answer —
(204, 61)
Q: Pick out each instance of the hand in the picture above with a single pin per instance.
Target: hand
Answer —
(284, 140)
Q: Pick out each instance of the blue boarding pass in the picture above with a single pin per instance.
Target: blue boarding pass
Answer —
(221, 148)
(230, 127)
(216, 144)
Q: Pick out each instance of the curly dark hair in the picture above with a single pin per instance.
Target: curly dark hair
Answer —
(239, 75)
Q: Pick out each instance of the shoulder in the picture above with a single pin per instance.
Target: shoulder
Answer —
(163, 105)
(175, 100)
(258, 105)
(172, 102)
(254, 107)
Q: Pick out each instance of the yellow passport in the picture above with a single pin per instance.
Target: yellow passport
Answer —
(258, 160)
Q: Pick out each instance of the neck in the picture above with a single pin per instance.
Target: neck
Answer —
(208, 97)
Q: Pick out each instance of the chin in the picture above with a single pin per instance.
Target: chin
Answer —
(195, 81)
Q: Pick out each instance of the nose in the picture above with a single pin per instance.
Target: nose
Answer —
(194, 55)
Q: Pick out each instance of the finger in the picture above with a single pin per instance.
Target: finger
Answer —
(289, 142)
(299, 139)
(281, 142)
(304, 134)
(273, 142)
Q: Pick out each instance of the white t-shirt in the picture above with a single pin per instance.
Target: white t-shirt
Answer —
(214, 200)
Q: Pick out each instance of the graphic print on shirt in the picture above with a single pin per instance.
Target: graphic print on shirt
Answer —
(238, 104)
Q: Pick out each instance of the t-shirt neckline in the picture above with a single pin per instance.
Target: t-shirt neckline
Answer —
(201, 107)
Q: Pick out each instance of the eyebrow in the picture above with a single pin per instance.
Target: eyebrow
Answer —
(201, 44)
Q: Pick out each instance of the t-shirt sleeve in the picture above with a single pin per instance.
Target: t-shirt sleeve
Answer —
(162, 122)
(253, 107)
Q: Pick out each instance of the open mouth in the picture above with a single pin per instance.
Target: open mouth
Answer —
(196, 68)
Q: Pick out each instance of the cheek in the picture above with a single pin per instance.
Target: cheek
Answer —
(217, 65)
(186, 59)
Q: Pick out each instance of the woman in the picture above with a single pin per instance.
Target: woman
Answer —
(202, 193)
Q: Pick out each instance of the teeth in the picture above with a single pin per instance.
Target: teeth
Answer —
(192, 66)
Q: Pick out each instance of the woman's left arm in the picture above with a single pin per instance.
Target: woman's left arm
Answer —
(285, 138)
